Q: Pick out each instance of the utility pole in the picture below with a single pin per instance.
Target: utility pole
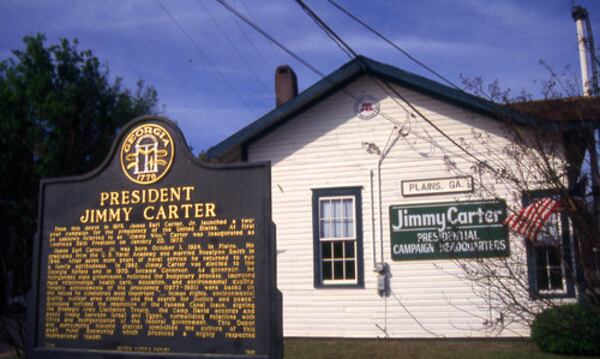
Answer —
(580, 15)
(585, 41)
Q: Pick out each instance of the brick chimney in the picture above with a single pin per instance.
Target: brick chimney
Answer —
(286, 85)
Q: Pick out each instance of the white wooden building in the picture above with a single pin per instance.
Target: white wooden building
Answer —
(337, 149)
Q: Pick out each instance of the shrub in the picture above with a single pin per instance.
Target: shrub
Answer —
(568, 329)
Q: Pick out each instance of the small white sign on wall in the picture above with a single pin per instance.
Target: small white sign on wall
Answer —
(366, 107)
(437, 186)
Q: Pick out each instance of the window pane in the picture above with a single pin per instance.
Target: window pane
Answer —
(348, 229)
(325, 229)
(349, 248)
(338, 230)
(541, 268)
(326, 270)
(551, 231)
(553, 226)
(338, 269)
(556, 280)
(540, 254)
(325, 210)
(350, 272)
(337, 208)
(553, 256)
(542, 279)
(326, 250)
(348, 208)
(338, 249)
(549, 269)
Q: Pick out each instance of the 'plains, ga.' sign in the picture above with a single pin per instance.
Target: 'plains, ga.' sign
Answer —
(449, 230)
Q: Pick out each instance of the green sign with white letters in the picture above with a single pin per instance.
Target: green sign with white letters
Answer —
(450, 230)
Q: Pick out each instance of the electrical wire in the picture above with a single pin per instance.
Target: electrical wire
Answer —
(328, 31)
(300, 59)
(439, 130)
(271, 38)
(204, 56)
(239, 53)
(387, 85)
(390, 42)
(251, 14)
(325, 27)
(267, 67)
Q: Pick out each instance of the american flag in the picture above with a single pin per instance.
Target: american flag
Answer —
(529, 221)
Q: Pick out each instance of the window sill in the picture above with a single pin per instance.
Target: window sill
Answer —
(340, 286)
(552, 295)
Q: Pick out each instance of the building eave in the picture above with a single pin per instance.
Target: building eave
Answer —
(350, 72)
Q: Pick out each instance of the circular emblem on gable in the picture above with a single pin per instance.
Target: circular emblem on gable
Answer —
(366, 107)
(147, 153)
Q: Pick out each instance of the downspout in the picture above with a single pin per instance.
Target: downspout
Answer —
(379, 162)
(388, 147)
(373, 149)
(381, 268)
(373, 219)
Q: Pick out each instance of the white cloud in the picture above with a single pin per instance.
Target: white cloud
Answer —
(514, 14)
(124, 16)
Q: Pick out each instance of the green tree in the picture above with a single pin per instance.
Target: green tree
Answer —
(556, 156)
(59, 113)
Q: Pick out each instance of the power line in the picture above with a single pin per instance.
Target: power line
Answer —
(439, 130)
(234, 47)
(271, 46)
(271, 38)
(326, 28)
(249, 39)
(330, 33)
(390, 42)
(206, 58)
(301, 60)
(391, 88)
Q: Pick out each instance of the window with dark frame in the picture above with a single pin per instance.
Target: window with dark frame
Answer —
(549, 254)
(337, 232)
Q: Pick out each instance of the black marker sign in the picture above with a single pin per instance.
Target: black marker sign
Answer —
(155, 252)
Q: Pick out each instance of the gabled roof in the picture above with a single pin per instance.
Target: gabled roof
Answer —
(344, 75)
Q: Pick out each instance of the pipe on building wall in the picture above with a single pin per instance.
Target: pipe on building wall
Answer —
(381, 158)
(373, 149)
(373, 219)
(386, 149)
(580, 15)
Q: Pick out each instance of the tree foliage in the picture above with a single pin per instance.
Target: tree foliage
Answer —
(567, 329)
(59, 113)
(554, 155)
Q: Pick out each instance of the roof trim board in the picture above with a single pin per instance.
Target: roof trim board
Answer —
(349, 72)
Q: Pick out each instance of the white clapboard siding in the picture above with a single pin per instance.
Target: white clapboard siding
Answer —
(322, 148)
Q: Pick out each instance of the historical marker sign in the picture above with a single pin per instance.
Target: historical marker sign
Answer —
(155, 252)
(449, 230)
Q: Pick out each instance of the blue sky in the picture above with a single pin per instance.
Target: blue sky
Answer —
(502, 39)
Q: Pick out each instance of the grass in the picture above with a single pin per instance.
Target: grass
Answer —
(296, 348)
(413, 348)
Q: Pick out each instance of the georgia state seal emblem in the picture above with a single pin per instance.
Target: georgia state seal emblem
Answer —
(147, 153)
